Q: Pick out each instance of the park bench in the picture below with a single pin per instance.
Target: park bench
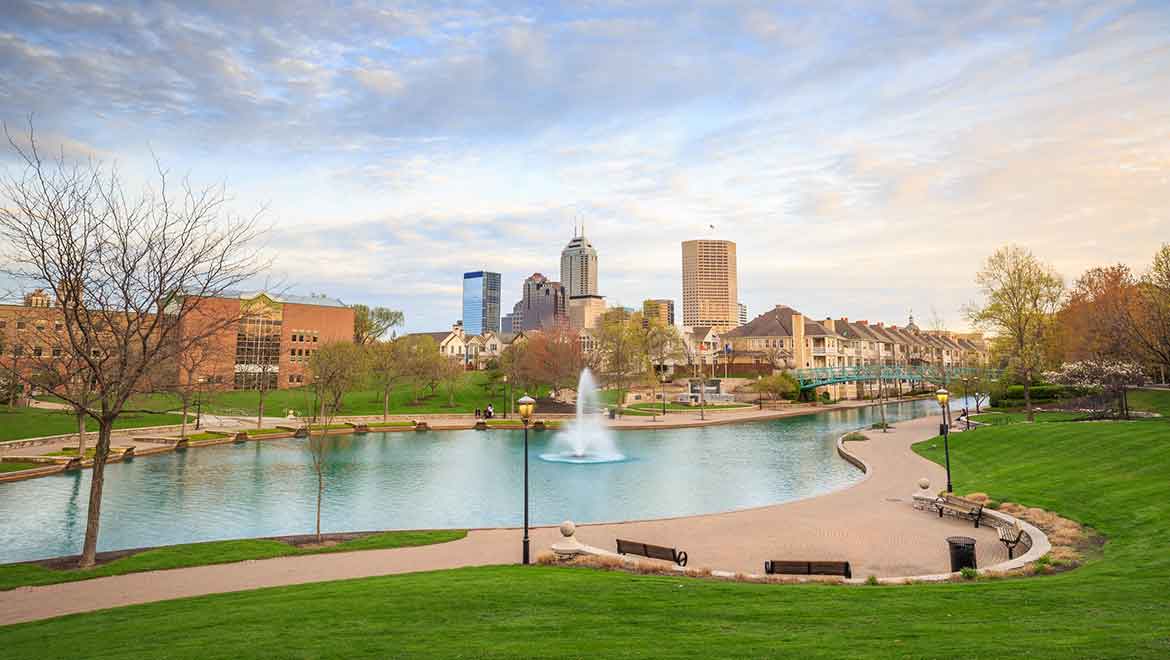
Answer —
(808, 568)
(1011, 536)
(960, 507)
(625, 547)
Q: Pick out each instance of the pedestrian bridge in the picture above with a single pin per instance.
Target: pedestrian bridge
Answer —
(816, 377)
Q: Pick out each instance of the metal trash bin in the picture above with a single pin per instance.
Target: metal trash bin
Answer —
(962, 550)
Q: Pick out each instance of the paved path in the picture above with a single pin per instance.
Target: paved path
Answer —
(871, 524)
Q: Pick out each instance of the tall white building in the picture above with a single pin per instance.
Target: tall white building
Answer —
(743, 317)
(579, 267)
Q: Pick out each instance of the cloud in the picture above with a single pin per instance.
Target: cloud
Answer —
(891, 144)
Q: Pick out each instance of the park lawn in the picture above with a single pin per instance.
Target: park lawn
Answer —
(385, 424)
(17, 467)
(474, 392)
(1114, 477)
(254, 432)
(21, 423)
(1017, 416)
(682, 407)
(214, 552)
(1156, 401)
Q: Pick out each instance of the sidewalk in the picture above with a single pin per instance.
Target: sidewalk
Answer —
(871, 524)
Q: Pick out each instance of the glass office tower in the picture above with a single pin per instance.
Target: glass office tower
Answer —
(481, 302)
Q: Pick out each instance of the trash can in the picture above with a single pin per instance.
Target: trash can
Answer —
(613, 413)
(962, 552)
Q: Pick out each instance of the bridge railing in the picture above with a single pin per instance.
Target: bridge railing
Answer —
(818, 376)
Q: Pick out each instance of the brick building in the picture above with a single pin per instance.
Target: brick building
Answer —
(265, 339)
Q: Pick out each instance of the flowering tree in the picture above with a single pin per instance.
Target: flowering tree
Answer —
(1111, 376)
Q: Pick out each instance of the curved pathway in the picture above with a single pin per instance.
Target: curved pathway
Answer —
(872, 524)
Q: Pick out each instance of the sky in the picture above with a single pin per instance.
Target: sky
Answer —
(866, 157)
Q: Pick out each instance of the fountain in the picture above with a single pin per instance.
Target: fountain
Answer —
(587, 440)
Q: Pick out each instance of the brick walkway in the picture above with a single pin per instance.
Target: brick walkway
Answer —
(871, 524)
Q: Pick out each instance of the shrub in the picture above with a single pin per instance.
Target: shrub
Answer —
(854, 437)
(872, 580)
(825, 398)
(968, 573)
(878, 426)
(546, 557)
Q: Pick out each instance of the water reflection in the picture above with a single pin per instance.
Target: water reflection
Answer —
(430, 480)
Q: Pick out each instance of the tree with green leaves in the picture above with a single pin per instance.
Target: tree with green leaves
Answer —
(618, 339)
(370, 324)
(387, 367)
(336, 368)
(420, 360)
(1021, 296)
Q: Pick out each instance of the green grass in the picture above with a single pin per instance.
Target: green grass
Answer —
(1016, 416)
(1112, 476)
(1157, 401)
(20, 423)
(17, 467)
(255, 432)
(383, 424)
(682, 407)
(205, 435)
(474, 392)
(215, 552)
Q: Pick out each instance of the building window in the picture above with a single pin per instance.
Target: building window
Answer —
(38, 351)
(20, 325)
(58, 326)
(17, 350)
(56, 352)
(314, 339)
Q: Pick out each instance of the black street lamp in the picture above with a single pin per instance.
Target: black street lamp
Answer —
(527, 404)
(759, 394)
(945, 429)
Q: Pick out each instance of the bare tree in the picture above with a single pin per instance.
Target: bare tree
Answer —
(128, 272)
(1149, 320)
(450, 374)
(336, 368)
(1021, 297)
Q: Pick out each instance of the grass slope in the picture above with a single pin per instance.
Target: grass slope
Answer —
(1114, 476)
(215, 552)
(20, 423)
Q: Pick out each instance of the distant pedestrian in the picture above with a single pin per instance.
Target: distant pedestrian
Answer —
(477, 413)
(491, 412)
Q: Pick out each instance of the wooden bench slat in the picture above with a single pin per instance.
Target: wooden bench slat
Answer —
(787, 567)
(627, 547)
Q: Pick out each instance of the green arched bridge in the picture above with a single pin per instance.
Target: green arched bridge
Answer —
(816, 377)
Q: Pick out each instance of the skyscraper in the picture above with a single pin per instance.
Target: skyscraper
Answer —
(579, 267)
(481, 302)
(543, 306)
(743, 315)
(710, 293)
(658, 309)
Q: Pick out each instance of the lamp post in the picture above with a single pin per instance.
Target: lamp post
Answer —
(967, 416)
(662, 390)
(759, 394)
(527, 404)
(945, 429)
(199, 401)
(508, 393)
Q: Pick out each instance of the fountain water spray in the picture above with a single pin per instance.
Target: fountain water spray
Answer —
(587, 440)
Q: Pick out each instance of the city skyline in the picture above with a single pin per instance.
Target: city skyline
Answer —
(387, 145)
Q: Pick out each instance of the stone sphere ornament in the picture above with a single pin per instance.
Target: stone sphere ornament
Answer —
(568, 528)
(924, 483)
